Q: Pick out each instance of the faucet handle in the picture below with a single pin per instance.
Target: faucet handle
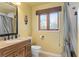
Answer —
(4, 38)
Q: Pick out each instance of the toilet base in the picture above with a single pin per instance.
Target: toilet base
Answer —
(35, 50)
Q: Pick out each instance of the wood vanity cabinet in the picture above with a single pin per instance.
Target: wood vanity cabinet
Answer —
(22, 49)
(28, 50)
(21, 52)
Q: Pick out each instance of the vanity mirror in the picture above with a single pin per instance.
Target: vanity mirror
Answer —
(8, 19)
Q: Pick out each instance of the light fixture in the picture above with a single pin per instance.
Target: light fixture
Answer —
(25, 20)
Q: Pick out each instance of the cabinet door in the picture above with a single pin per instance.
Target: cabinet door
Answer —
(21, 52)
(28, 50)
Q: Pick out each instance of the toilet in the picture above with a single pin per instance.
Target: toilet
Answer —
(35, 50)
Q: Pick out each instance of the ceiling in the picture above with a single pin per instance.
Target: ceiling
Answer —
(32, 4)
(5, 7)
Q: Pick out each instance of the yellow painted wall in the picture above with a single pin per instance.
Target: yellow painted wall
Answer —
(23, 30)
(24, 10)
(77, 52)
(52, 38)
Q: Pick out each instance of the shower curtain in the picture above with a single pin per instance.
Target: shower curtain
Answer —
(71, 27)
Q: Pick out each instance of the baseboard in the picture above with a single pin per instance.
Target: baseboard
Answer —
(49, 54)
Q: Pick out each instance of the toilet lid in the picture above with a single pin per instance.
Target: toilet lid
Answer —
(36, 47)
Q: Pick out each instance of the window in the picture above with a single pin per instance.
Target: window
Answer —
(49, 18)
(53, 20)
(43, 23)
(48, 21)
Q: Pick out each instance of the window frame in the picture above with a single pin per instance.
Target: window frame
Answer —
(48, 22)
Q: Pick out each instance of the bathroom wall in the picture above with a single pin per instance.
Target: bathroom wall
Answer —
(54, 40)
(23, 30)
(24, 10)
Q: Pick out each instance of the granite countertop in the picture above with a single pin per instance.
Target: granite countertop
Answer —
(6, 43)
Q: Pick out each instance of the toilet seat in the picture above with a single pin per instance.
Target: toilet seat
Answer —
(36, 47)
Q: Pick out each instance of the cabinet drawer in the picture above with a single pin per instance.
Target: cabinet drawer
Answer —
(29, 41)
(22, 44)
(8, 50)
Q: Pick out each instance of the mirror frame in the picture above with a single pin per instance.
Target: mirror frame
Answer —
(16, 21)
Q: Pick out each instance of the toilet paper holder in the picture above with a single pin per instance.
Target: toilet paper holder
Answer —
(42, 37)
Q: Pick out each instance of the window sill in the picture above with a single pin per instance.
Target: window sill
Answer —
(54, 30)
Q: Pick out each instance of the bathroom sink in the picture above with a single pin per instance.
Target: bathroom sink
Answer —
(15, 40)
(9, 41)
(12, 41)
